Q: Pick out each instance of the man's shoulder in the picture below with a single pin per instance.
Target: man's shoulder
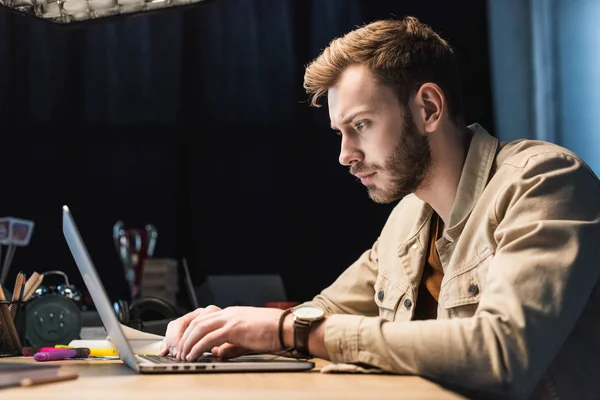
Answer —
(519, 153)
(522, 163)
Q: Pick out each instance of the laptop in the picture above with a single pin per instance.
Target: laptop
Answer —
(152, 363)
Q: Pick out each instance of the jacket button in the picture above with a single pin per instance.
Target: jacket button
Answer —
(380, 295)
(407, 303)
(473, 289)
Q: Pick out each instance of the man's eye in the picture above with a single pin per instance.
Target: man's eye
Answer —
(360, 125)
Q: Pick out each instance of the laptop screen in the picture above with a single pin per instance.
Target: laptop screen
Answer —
(97, 292)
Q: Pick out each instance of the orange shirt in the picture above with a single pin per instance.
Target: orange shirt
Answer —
(433, 272)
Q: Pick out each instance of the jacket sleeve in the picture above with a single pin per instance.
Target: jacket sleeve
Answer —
(539, 281)
(353, 291)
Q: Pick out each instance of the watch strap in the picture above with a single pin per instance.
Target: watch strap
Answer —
(301, 333)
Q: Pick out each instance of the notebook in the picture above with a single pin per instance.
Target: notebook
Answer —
(153, 363)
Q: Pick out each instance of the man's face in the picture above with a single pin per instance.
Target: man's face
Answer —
(380, 142)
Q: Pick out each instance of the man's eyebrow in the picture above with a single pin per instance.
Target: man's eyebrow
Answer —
(350, 117)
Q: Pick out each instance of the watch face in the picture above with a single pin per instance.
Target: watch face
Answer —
(308, 312)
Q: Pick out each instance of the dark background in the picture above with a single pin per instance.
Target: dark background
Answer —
(195, 120)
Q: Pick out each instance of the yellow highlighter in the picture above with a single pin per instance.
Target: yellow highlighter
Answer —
(94, 351)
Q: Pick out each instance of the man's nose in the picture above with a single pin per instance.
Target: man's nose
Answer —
(349, 152)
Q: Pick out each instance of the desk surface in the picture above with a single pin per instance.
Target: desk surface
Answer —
(103, 379)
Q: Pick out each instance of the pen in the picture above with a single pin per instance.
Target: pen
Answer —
(50, 379)
(61, 354)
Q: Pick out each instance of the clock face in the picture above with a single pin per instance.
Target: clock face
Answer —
(308, 312)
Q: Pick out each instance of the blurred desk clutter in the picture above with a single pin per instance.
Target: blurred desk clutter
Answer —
(37, 314)
(47, 319)
(45, 309)
(42, 311)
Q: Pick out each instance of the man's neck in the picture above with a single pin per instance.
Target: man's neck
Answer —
(448, 154)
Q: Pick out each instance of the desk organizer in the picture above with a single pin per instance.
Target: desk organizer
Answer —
(12, 328)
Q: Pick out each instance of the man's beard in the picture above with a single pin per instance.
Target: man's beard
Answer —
(406, 167)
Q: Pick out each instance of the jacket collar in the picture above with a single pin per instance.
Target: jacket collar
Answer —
(473, 180)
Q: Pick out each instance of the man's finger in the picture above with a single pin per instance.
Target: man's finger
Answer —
(175, 329)
(164, 349)
(208, 341)
(198, 315)
(197, 331)
(215, 350)
(228, 350)
(201, 316)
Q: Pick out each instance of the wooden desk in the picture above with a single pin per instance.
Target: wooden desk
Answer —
(105, 379)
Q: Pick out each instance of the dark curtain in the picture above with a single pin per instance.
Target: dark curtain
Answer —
(195, 120)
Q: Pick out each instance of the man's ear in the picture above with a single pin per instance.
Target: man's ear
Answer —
(430, 104)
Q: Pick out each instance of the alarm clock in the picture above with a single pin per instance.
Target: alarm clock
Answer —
(53, 316)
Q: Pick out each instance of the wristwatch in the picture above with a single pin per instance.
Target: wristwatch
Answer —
(304, 317)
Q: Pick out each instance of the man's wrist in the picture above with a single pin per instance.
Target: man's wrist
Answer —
(315, 337)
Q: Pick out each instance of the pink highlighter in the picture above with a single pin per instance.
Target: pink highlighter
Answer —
(61, 354)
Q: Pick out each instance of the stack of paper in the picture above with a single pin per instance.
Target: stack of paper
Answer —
(140, 342)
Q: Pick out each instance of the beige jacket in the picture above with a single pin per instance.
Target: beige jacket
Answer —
(519, 307)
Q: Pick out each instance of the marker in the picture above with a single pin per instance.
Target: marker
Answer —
(61, 354)
(95, 351)
(47, 349)
(31, 351)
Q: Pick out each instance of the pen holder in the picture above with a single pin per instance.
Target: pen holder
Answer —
(12, 328)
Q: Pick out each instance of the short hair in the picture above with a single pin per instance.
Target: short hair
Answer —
(403, 54)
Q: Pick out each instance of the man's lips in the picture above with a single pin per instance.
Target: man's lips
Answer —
(365, 177)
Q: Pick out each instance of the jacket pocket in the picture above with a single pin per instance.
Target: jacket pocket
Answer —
(388, 296)
(462, 291)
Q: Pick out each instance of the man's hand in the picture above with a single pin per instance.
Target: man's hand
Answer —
(177, 327)
(227, 333)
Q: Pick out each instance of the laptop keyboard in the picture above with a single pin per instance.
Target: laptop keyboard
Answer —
(172, 360)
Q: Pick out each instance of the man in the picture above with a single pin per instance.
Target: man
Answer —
(485, 274)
